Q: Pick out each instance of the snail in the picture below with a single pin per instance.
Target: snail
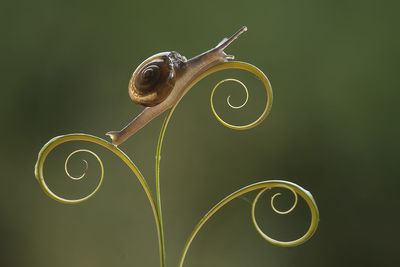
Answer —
(162, 80)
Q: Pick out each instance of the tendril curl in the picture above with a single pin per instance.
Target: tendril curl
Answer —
(40, 177)
(287, 211)
(264, 186)
(296, 242)
(252, 69)
(76, 178)
(56, 141)
(228, 98)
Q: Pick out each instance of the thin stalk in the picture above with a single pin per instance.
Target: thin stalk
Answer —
(222, 66)
(158, 192)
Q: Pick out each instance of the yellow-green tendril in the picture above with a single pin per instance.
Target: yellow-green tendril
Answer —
(86, 164)
(287, 211)
(42, 157)
(228, 98)
(56, 141)
(305, 237)
(254, 70)
(243, 66)
(263, 186)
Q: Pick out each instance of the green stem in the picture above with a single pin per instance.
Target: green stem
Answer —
(158, 193)
(219, 67)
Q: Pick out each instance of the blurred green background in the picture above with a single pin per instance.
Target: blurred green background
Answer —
(333, 129)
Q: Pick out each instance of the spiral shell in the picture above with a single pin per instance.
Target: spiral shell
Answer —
(154, 79)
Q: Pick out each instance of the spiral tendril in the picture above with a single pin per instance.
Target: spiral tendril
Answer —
(265, 185)
(286, 211)
(252, 69)
(39, 172)
(228, 98)
(58, 140)
(313, 209)
(84, 161)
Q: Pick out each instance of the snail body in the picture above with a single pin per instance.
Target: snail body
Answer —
(161, 81)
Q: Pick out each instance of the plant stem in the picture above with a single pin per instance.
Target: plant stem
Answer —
(158, 193)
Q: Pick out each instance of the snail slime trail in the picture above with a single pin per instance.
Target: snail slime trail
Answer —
(160, 82)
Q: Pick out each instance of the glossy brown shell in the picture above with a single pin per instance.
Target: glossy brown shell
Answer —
(154, 79)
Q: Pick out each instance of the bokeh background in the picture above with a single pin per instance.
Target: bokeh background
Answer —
(333, 129)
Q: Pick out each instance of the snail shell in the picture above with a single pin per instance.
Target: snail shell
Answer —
(154, 79)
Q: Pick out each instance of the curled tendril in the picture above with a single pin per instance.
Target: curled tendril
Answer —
(287, 211)
(266, 237)
(84, 161)
(297, 190)
(39, 172)
(228, 98)
(252, 69)
(56, 141)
